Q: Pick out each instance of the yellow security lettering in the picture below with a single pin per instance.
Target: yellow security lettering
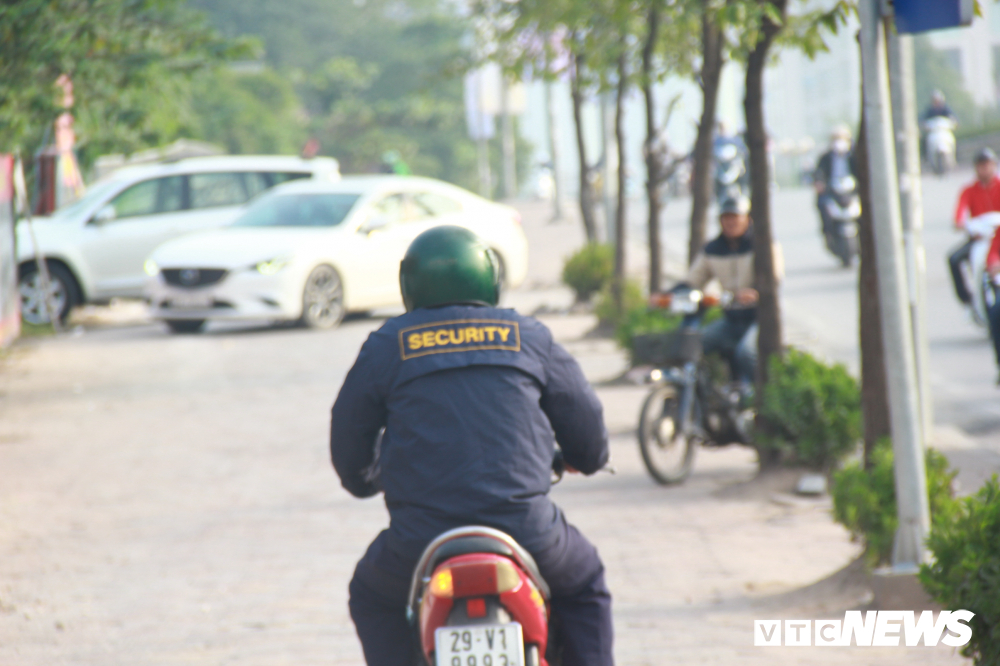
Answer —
(459, 336)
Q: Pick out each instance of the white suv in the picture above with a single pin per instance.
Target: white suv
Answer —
(95, 248)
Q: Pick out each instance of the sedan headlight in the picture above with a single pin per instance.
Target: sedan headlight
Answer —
(152, 270)
(271, 266)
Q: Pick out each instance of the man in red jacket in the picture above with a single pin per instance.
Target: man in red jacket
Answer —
(982, 196)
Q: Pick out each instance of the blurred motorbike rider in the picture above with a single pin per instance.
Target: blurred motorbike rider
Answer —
(938, 108)
(724, 136)
(833, 165)
(729, 259)
(982, 196)
(472, 400)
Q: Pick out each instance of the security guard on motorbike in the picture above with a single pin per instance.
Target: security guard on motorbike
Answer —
(453, 410)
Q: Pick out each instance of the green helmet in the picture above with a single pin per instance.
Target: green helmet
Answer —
(449, 265)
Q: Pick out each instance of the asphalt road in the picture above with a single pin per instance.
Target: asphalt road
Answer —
(820, 301)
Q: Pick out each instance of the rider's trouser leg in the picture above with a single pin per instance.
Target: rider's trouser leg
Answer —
(994, 314)
(955, 261)
(378, 594)
(571, 567)
(746, 356)
(824, 216)
(718, 338)
(581, 602)
(736, 341)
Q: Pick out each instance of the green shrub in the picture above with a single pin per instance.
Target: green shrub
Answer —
(633, 300)
(588, 270)
(864, 500)
(813, 411)
(966, 571)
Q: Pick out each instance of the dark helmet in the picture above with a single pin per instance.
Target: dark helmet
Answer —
(737, 205)
(449, 265)
(985, 155)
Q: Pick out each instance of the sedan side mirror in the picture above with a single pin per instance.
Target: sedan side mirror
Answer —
(105, 214)
(374, 223)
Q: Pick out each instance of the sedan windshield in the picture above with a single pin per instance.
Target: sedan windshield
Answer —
(299, 210)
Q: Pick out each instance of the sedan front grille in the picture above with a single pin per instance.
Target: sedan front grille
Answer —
(191, 278)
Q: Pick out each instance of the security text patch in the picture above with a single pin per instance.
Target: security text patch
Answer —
(459, 335)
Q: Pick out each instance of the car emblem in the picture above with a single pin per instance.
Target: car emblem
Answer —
(190, 276)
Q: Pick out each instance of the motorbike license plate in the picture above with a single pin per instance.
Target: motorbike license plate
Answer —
(479, 645)
(191, 301)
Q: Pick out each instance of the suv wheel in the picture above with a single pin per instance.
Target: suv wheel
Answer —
(63, 295)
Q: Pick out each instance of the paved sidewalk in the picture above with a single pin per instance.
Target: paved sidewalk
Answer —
(169, 500)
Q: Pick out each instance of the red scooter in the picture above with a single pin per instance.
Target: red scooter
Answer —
(477, 599)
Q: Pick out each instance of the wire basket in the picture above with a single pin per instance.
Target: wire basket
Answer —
(671, 348)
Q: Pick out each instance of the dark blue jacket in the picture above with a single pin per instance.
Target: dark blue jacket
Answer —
(473, 400)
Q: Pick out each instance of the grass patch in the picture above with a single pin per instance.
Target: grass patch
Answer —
(29, 330)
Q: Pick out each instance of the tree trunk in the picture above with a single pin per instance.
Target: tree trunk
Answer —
(701, 179)
(654, 165)
(874, 389)
(769, 341)
(586, 193)
(618, 285)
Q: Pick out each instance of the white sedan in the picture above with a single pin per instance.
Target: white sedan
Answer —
(313, 251)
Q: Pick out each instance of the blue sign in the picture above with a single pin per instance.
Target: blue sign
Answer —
(923, 15)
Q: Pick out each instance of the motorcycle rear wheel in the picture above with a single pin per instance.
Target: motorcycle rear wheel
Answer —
(667, 452)
(847, 251)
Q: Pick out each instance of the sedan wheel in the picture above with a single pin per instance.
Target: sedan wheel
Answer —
(323, 299)
(61, 295)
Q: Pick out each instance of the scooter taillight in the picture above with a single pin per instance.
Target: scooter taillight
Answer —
(473, 579)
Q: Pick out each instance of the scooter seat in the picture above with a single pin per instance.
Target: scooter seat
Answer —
(468, 545)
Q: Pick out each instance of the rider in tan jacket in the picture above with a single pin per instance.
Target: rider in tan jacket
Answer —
(728, 260)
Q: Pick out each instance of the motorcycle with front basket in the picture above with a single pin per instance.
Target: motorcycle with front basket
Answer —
(690, 402)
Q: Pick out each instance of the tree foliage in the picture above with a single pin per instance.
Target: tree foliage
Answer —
(370, 76)
(127, 59)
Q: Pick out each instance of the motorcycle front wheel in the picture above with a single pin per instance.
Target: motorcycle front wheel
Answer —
(667, 452)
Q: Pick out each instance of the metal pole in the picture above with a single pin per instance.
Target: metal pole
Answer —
(897, 333)
(904, 118)
(509, 166)
(550, 118)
